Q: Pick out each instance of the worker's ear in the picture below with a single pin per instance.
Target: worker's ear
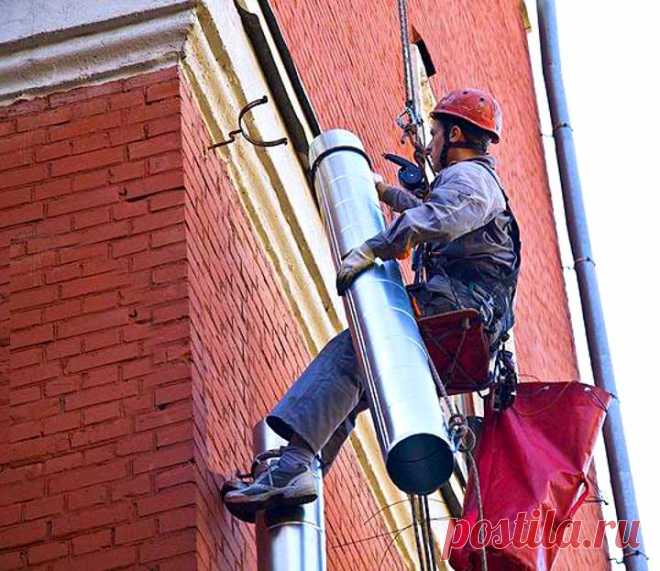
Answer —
(456, 134)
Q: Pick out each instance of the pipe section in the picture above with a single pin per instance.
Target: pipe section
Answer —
(592, 311)
(289, 539)
(399, 385)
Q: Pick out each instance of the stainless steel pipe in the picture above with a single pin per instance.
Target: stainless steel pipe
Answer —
(289, 539)
(401, 392)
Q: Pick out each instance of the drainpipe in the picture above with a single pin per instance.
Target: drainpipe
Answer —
(289, 539)
(399, 386)
(592, 311)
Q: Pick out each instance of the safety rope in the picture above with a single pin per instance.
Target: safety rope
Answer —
(405, 52)
(420, 544)
(457, 427)
(465, 441)
(426, 513)
(413, 128)
(480, 506)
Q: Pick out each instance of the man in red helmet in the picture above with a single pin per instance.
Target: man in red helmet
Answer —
(468, 250)
(467, 255)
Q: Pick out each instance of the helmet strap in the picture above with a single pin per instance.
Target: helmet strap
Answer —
(445, 146)
(458, 145)
(465, 145)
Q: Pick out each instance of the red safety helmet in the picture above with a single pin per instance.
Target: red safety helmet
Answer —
(474, 106)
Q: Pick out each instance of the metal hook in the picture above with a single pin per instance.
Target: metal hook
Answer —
(241, 130)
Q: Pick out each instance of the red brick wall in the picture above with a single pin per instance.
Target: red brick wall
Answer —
(349, 58)
(143, 334)
(97, 404)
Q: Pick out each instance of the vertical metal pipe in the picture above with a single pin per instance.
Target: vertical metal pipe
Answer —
(401, 392)
(592, 311)
(289, 539)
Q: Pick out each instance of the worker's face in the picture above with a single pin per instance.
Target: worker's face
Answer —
(434, 148)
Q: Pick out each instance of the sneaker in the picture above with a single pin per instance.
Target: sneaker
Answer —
(273, 487)
(245, 513)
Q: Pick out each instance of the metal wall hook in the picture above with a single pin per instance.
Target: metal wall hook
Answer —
(241, 130)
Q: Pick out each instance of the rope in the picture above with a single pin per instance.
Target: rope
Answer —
(417, 530)
(427, 520)
(465, 441)
(413, 129)
(457, 427)
(405, 52)
(480, 507)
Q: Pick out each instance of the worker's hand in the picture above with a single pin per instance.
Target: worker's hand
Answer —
(356, 261)
(379, 181)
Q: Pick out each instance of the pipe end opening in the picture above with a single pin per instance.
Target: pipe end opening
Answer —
(420, 464)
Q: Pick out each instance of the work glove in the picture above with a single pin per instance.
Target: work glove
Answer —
(356, 261)
(379, 183)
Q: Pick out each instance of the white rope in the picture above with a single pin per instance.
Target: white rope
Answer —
(405, 52)
(465, 441)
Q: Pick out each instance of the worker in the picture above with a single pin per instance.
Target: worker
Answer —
(468, 254)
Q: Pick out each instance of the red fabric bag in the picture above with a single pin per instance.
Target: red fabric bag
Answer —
(531, 459)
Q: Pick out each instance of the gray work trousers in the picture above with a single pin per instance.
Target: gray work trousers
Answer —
(322, 405)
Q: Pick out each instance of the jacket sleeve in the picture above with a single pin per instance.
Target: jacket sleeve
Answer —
(454, 208)
(400, 200)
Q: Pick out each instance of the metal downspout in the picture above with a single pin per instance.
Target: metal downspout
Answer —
(289, 539)
(592, 311)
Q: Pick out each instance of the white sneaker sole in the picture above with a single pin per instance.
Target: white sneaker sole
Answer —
(276, 497)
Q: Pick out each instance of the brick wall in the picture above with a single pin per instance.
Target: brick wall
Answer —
(356, 82)
(97, 401)
(143, 334)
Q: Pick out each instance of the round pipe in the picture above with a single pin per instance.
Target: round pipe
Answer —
(289, 539)
(399, 385)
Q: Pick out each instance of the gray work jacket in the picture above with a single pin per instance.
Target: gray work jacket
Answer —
(466, 227)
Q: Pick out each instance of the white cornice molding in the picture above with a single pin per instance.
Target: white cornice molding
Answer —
(48, 46)
(31, 21)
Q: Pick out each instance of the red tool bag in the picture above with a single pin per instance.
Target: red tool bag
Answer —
(532, 458)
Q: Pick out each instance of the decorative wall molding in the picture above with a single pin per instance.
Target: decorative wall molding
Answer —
(82, 43)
